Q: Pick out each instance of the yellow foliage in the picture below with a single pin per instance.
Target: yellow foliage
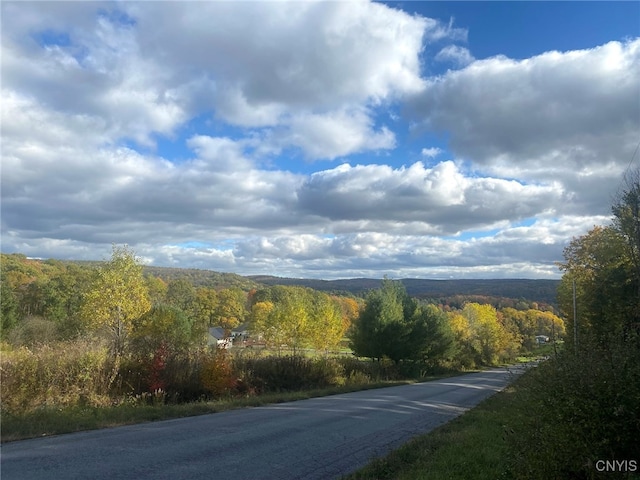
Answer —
(118, 296)
(217, 376)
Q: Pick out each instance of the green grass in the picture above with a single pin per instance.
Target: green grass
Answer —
(472, 446)
(554, 422)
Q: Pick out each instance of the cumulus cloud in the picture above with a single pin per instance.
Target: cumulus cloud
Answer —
(571, 117)
(90, 92)
(442, 198)
(305, 63)
(336, 134)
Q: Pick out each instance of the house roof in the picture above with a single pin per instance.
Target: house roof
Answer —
(217, 332)
(243, 327)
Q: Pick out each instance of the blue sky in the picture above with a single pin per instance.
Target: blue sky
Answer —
(317, 139)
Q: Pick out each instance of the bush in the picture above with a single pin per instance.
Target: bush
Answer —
(63, 374)
(585, 408)
(217, 375)
(290, 373)
(177, 374)
(33, 331)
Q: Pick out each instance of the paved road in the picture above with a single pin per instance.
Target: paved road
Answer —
(321, 438)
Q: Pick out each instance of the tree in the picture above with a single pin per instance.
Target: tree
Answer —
(230, 309)
(395, 326)
(157, 289)
(162, 325)
(206, 304)
(489, 339)
(431, 339)
(626, 221)
(465, 355)
(350, 310)
(9, 312)
(602, 270)
(117, 297)
(281, 315)
(181, 294)
(381, 317)
(326, 325)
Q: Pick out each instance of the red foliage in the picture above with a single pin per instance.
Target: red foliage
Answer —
(158, 364)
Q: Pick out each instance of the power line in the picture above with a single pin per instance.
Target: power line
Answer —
(632, 158)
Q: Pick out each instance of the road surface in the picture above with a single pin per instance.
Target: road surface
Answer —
(321, 438)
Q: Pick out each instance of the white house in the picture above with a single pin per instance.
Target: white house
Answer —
(219, 338)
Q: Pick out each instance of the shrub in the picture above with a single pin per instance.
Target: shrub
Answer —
(376, 371)
(289, 373)
(33, 331)
(178, 374)
(63, 374)
(585, 408)
(217, 375)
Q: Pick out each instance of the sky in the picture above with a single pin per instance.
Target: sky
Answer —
(315, 139)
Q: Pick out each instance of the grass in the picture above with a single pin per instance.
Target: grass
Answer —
(553, 423)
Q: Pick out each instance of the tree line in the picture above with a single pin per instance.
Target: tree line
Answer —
(44, 301)
(402, 328)
(51, 300)
(584, 403)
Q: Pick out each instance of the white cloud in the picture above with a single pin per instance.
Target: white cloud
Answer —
(569, 117)
(442, 198)
(543, 138)
(431, 152)
(459, 56)
(336, 134)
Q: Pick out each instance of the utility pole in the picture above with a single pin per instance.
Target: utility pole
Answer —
(575, 319)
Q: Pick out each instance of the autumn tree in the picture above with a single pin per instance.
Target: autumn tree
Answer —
(117, 297)
(599, 266)
(230, 309)
(281, 315)
(459, 324)
(298, 317)
(157, 289)
(163, 326)
(9, 305)
(326, 323)
(626, 221)
(489, 338)
(181, 294)
(350, 310)
(206, 305)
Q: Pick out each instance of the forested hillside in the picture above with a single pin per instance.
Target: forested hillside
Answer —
(541, 291)
(202, 278)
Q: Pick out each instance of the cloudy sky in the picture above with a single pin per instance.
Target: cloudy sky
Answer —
(317, 139)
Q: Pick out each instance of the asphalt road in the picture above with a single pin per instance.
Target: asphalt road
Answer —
(321, 438)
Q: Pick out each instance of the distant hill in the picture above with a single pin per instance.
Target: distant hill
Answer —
(533, 290)
(203, 278)
(543, 291)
